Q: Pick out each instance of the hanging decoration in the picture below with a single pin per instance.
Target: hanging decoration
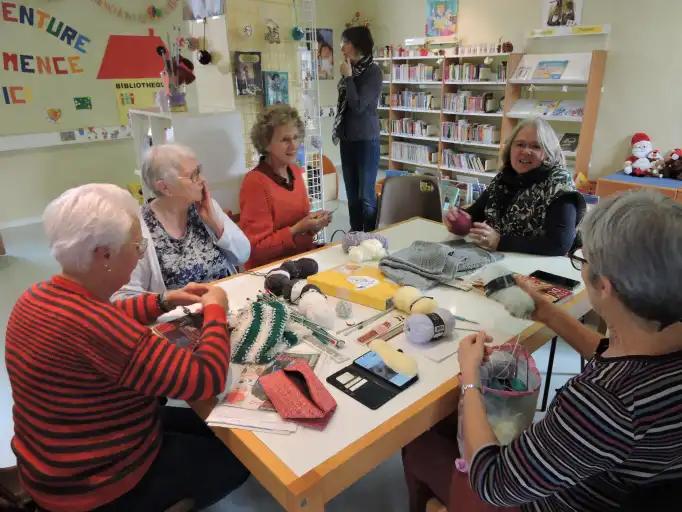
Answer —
(358, 21)
(272, 32)
(297, 33)
(247, 30)
(151, 12)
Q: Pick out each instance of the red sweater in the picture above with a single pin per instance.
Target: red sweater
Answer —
(268, 210)
(85, 375)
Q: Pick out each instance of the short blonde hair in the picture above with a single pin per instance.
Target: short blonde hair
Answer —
(87, 217)
(547, 138)
(271, 118)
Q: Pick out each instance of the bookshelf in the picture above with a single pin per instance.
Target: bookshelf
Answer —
(446, 96)
(564, 89)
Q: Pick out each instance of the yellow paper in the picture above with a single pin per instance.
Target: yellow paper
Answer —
(361, 284)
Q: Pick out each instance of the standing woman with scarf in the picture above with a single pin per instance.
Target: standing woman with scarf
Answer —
(357, 125)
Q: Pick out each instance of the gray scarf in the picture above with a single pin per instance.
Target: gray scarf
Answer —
(358, 69)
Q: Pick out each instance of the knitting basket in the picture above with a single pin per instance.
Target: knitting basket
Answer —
(510, 382)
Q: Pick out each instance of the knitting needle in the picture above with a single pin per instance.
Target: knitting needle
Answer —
(365, 323)
(462, 319)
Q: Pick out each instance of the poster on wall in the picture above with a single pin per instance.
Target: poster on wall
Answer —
(441, 18)
(275, 87)
(248, 73)
(325, 53)
(135, 94)
(561, 13)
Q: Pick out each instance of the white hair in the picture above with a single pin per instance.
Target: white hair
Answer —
(635, 241)
(164, 162)
(86, 217)
(549, 142)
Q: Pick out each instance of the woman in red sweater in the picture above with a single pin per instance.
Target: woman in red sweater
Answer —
(86, 373)
(275, 210)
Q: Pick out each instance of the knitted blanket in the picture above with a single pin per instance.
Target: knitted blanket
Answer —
(427, 264)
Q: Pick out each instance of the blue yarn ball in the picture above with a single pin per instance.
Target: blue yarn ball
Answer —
(422, 329)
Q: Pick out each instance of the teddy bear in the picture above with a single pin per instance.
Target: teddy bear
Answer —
(643, 157)
(672, 167)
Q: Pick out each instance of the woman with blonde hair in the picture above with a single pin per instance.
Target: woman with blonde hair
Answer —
(532, 204)
(274, 204)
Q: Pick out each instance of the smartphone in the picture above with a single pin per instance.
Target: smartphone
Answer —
(372, 362)
(556, 280)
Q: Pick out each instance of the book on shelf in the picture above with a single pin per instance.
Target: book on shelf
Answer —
(569, 141)
(569, 108)
(460, 192)
(465, 131)
(549, 69)
(416, 73)
(417, 153)
(467, 161)
(550, 108)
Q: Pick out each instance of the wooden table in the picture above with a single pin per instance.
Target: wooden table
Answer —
(305, 470)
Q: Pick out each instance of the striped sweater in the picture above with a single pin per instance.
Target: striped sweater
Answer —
(85, 375)
(614, 427)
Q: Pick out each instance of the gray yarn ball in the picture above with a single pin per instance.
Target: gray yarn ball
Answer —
(344, 309)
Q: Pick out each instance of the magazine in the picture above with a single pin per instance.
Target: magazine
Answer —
(552, 292)
(184, 332)
(248, 393)
(569, 141)
(550, 69)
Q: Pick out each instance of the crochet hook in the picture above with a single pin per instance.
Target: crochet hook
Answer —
(365, 323)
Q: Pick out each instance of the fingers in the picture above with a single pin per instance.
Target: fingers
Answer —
(196, 288)
(481, 225)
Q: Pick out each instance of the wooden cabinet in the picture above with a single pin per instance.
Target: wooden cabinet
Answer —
(620, 182)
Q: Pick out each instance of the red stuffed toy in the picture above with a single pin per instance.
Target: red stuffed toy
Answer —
(643, 160)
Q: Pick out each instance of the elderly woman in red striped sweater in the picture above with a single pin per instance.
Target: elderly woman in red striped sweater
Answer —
(86, 373)
(611, 438)
(275, 210)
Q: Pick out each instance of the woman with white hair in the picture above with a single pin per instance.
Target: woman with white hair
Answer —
(86, 373)
(190, 238)
(611, 438)
(531, 205)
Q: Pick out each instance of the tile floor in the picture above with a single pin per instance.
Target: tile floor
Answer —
(28, 260)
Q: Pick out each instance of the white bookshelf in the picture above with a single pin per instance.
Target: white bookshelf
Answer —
(563, 119)
(419, 164)
(473, 114)
(418, 110)
(415, 137)
(471, 143)
(499, 83)
(469, 172)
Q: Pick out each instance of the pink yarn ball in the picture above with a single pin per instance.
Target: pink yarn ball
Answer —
(462, 224)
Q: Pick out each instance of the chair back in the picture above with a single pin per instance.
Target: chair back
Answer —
(404, 197)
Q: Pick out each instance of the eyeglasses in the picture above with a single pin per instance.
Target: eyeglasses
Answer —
(195, 177)
(141, 247)
(531, 147)
(577, 261)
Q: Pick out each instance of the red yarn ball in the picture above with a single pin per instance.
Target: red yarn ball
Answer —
(462, 224)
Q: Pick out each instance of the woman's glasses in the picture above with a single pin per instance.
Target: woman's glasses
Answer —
(195, 177)
(576, 260)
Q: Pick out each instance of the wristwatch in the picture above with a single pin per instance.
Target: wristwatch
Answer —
(467, 387)
(163, 303)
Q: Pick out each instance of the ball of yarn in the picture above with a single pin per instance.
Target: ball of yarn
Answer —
(275, 281)
(315, 307)
(420, 328)
(424, 305)
(409, 299)
(301, 268)
(393, 358)
(358, 254)
(354, 238)
(500, 286)
(462, 224)
(374, 247)
(344, 309)
(297, 286)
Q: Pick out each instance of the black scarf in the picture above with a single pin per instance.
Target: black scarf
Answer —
(511, 183)
(358, 69)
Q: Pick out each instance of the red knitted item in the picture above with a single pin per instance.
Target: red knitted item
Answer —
(297, 394)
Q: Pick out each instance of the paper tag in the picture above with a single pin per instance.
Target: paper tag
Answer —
(362, 282)
(438, 325)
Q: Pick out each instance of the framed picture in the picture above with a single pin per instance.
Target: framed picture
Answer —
(441, 17)
(275, 87)
(325, 53)
(561, 13)
(247, 72)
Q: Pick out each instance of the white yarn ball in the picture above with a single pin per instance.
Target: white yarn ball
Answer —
(515, 300)
(315, 307)
(374, 248)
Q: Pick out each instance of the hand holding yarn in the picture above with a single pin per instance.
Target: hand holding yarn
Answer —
(500, 285)
(457, 221)
(409, 299)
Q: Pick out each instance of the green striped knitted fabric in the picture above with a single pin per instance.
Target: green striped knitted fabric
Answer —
(260, 333)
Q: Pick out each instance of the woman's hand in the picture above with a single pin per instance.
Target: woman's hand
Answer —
(484, 236)
(456, 220)
(207, 213)
(471, 353)
(346, 68)
(215, 295)
(543, 306)
(189, 294)
(312, 223)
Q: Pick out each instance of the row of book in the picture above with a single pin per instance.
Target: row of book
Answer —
(466, 101)
(467, 161)
(409, 126)
(468, 71)
(414, 99)
(465, 131)
(417, 153)
(418, 73)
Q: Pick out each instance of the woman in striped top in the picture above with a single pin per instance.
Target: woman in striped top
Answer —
(612, 434)
(86, 373)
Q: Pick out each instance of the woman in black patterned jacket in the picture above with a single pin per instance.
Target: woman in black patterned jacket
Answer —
(531, 205)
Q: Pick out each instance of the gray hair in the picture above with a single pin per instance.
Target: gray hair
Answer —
(547, 138)
(635, 240)
(86, 217)
(164, 162)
